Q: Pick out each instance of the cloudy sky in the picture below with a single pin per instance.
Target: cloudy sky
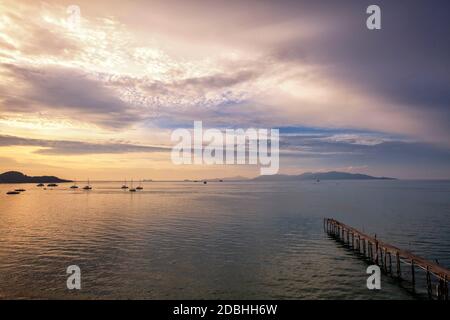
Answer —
(100, 99)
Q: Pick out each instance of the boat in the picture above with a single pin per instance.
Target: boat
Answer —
(88, 187)
(20, 190)
(132, 189)
(205, 182)
(40, 185)
(124, 186)
(13, 192)
(139, 187)
(52, 185)
(74, 186)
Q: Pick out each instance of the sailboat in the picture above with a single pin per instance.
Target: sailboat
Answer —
(88, 187)
(124, 186)
(140, 187)
(132, 189)
(74, 186)
(40, 185)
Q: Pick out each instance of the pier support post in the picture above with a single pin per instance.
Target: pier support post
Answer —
(413, 276)
(364, 247)
(399, 272)
(376, 252)
(446, 288)
(429, 288)
(380, 257)
(390, 263)
(353, 241)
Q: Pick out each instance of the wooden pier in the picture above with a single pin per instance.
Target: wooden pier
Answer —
(382, 254)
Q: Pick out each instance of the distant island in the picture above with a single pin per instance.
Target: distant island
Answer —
(19, 177)
(332, 175)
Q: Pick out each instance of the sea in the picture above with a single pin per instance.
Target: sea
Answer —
(220, 240)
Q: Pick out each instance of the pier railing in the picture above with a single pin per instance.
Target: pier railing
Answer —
(381, 253)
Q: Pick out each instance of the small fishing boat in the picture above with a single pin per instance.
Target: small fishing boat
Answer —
(13, 192)
(205, 182)
(40, 185)
(140, 187)
(124, 186)
(20, 190)
(52, 185)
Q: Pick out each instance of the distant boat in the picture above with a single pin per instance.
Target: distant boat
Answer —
(124, 186)
(132, 189)
(20, 190)
(140, 187)
(40, 185)
(74, 186)
(52, 185)
(88, 187)
(13, 192)
(205, 182)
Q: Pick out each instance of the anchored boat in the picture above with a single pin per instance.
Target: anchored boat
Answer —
(88, 187)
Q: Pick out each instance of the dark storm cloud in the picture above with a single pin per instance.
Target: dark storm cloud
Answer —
(406, 62)
(61, 147)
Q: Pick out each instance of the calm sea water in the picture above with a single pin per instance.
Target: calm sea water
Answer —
(239, 240)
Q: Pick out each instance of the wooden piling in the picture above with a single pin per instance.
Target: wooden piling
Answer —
(376, 251)
(429, 287)
(390, 263)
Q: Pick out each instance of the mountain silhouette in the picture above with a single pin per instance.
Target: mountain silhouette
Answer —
(19, 177)
(332, 175)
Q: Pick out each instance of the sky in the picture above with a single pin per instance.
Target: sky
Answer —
(99, 99)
